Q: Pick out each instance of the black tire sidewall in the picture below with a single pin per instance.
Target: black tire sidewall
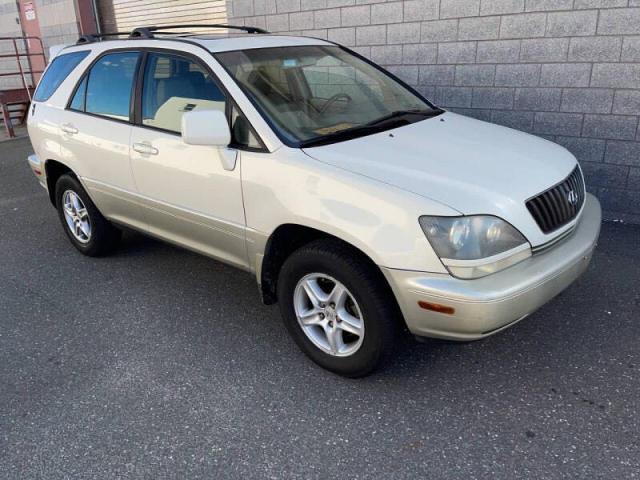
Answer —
(366, 289)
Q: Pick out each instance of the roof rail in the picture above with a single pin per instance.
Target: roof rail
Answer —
(147, 32)
(96, 37)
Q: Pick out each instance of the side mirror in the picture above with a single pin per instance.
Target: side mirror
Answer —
(205, 127)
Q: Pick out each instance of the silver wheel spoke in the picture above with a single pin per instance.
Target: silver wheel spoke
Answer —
(314, 292)
(84, 228)
(311, 317)
(349, 323)
(76, 202)
(68, 208)
(334, 338)
(82, 213)
(338, 295)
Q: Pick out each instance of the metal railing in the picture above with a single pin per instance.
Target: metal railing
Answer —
(27, 75)
(20, 52)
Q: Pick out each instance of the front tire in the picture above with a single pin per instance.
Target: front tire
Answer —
(91, 233)
(337, 307)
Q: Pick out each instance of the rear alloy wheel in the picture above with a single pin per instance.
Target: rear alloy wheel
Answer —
(75, 213)
(338, 308)
(85, 226)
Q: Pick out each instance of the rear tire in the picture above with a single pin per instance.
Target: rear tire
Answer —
(338, 308)
(91, 233)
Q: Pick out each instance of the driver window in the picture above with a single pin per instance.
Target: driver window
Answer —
(242, 133)
(174, 85)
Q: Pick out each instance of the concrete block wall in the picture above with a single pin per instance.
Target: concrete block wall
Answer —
(8, 28)
(58, 23)
(567, 70)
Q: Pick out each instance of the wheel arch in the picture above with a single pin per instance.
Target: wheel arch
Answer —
(289, 237)
(53, 171)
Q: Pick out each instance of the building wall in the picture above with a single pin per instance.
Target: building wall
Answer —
(567, 70)
(124, 16)
(8, 28)
(58, 22)
(58, 25)
(8, 15)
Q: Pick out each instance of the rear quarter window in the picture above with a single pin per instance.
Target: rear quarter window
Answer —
(60, 68)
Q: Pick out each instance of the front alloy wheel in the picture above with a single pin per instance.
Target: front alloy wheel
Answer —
(329, 315)
(338, 307)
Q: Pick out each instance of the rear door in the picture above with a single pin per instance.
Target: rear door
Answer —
(187, 195)
(96, 132)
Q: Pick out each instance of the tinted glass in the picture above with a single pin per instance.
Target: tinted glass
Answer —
(59, 69)
(109, 85)
(78, 99)
(241, 131)
(311, 92)
(174, 85)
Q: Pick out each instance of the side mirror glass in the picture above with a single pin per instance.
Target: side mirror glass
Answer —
(205, 127)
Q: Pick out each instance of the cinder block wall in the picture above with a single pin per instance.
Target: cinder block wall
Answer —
(8, 28)
(58, 23)
(567, 70)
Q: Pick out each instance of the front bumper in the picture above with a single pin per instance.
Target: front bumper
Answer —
(487, 305)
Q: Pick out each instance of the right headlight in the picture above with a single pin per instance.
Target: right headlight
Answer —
(475, 246)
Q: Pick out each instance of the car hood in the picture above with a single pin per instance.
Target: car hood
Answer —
(472, 166)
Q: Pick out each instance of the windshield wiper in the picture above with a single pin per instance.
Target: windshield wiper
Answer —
(346, 134)
(375, 126)
(403, 113)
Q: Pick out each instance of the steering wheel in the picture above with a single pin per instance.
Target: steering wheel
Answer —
(333, 99)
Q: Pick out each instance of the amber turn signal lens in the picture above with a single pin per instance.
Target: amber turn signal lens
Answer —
(436, 307)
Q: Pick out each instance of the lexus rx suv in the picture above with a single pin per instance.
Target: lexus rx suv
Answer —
(360, 207)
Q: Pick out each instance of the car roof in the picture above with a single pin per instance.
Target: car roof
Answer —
(215, 43)
(212, 43)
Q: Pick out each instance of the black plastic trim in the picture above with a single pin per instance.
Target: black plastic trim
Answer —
(147, 32)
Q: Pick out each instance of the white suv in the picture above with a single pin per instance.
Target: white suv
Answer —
(359, 206)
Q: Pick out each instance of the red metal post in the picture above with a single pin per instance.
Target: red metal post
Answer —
(20, 70)
(6, 116)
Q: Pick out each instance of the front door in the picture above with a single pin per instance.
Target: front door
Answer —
(188, 196)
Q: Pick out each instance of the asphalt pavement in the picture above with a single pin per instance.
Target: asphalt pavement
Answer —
(159, 363)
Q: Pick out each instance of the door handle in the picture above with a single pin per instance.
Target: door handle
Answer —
(145, 148)
(68, 128)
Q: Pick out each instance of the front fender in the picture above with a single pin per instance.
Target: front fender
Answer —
(381, 220)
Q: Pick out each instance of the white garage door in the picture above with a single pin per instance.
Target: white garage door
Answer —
(125, 15)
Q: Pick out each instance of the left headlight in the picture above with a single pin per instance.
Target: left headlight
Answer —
(475, 246)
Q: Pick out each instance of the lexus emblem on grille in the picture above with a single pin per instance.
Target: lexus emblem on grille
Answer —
(572, 197)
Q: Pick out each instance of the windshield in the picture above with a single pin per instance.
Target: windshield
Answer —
(314, 95)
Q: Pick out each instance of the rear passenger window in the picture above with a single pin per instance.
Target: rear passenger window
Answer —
(78, 99)
(109, 84)
(60, 68)
(174, 85)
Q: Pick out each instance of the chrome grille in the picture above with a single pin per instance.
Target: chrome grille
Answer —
(560, 204)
